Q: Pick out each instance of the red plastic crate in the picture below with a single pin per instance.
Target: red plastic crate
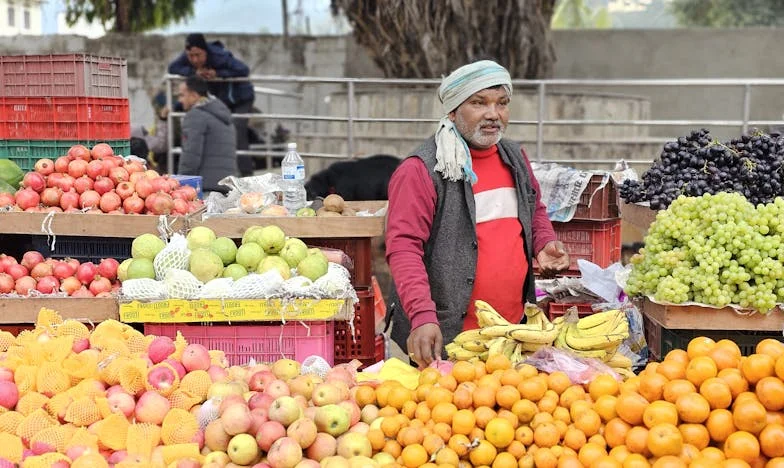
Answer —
(598, 242)
(264, 343)
(359, 250)
(361, 345)
(604, 204)
(64, 118)
(16, 329)
(558, 309)
(63, 75)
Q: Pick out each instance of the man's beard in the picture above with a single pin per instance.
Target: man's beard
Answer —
(474, 136)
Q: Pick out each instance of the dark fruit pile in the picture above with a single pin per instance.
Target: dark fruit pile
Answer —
(697, 164)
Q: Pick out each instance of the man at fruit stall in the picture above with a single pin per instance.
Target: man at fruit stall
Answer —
(208, 142)
(465, 220)
(212, 60)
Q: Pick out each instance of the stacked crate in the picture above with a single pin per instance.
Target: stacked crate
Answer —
(49, 103)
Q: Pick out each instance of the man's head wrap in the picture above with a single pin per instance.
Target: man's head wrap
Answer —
(452, 154)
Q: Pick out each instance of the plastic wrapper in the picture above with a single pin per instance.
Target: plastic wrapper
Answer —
(337, 257)
(267, 186)
(580, 370)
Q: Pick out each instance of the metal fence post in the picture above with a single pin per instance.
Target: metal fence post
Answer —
(746, 107)
(350, 121)
(170, 130)
(541, 116)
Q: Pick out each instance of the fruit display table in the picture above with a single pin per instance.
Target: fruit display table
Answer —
(693, 317)
(25, 310)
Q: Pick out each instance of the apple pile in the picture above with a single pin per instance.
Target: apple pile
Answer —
(51, 276)
(99, 181)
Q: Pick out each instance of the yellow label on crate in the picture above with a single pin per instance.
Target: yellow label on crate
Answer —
(234, 310)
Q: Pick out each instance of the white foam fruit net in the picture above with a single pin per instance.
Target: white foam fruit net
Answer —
(219, 288)
(336, 284)
(181, 284)
(315, 365)
(175, 255)
(255, 286)
(299, 286)
(144, 289)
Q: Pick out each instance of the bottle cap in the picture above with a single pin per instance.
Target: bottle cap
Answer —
(291, 146)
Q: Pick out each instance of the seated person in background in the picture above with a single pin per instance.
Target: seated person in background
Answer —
(209, 143)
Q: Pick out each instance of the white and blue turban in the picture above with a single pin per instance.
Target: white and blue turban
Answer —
(452, 154)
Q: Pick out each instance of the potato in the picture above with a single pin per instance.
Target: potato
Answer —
(334, 203)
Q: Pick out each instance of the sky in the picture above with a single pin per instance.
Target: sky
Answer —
(223, 16)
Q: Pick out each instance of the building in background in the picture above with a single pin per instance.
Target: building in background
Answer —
(20, 17)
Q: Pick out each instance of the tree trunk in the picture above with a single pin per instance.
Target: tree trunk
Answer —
(430, 38)
(122, 21)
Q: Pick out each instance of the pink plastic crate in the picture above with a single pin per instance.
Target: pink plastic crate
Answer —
(63, 75)
(264, 343)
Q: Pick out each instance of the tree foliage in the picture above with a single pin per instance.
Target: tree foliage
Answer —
(575, 14)
(728, 13)
(129, 16)
(428, 39)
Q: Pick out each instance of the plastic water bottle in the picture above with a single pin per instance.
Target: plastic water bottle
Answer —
(293, 172)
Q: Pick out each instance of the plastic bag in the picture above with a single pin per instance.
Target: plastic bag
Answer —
(635, 347)
(580, 370)
(600, 281)
(337, 257)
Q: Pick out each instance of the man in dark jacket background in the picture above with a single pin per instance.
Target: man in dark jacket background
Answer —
(213, 60)
(208, 136)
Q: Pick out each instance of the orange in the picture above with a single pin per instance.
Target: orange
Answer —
(463, 422)
(742, 445)
(689, 453)
(777, 462)
(463, 395)
(546, 435)
(516, 448)
(422, 412)
(483, 415)
(393, 448)
(579, 407)
(630, 407)
(717, 392)
(443, 412)
(660, 412)
(410, 436)
(672, 369)
(771, 440)
(779, 367)
(447, 456)
(744, 397)
(545, 458)
(459, 444)
(497, 362)
(700, 369)
(463, 371)
(483, 454)
(775, 417)
(772, 347)
(549, 402)
(558, 381)
(390, 426)
(507, 396)
(598, 439)
(669, 461)
(692, 408)
(432, 443)
(540, 418)
(526, 371)
(572, 394)
(509, 416)
(620, 453)
(382, 392)
(770, 391)
(678, 355)
(735, 463)
(589, 423)
(735, 380)
(525, 410)
(414, 456)
(632, 384)
(443, 430)
(664, 439)
(448, 382)
(484, 396)
(700, 346)
(724, 357)
(429, 375)
(364, 395)
(675, 388)
(511, 377)
(480, 368)
(525, 435)
(533, 388)
(635, 460)
(590, 452)
(438, 395)
(421, 393)
(615, 432)
(500, 432)
(561, 426)
(562, 414)
(606, 461)
(652, 386)
(720, 424)
(569, 461)
(504, 460)
(573, 438)
(409, 409)
(695, 434)
(605, 407)
(376, 438)
(750, 416)
(637, 440)
(757, 366)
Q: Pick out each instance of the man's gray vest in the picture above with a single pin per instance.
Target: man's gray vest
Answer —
(451, 250)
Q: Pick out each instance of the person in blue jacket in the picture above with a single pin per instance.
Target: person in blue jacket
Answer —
(212, 60)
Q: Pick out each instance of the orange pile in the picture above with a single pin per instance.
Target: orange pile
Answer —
(704, 407)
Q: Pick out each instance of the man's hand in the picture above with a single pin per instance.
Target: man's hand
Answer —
(164, 113)
(425, 344)
(206, 73)
(552, 258)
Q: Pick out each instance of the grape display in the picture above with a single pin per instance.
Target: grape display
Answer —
(713, 249)
(698, 164)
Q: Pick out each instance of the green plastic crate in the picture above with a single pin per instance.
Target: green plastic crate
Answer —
(26, 152)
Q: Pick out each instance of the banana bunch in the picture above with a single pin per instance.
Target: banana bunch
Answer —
(597, 336)
(497, 336)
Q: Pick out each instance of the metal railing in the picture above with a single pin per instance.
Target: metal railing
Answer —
(541, 121)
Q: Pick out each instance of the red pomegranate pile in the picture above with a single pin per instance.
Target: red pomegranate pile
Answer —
(50, 276)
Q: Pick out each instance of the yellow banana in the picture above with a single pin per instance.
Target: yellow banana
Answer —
(591, 342)
(468, 335)
(597, 319)
(625, 373)
(496, 346)
(606, 325)
(461, 354)
(495, 331)
(475, 345)
(451, 347)
(517, 355)
(543, 337)
(487, 316)
(533, 316)
(619, 360)
(531, 347)
(509, 348)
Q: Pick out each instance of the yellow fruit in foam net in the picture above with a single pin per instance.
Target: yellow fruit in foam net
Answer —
(179, 427)
(113, 432)
(10, 421)
(197, 383)
(183, 399)
(54, 437)
(57, 405)
(55, 350)
(52, 379)
(143, 438)
(25, 378)
(34, 423)
(11, 447)
(82, 437)
(30, 402)
(132, 375)
(90, 460)
(83, 412)
(45, 461)
(74, 328)
(6, 340)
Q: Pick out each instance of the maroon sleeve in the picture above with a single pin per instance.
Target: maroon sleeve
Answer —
(542, 228)
(412, 206)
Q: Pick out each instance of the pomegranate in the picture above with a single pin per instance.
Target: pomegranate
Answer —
(118, 174)
(7, 199)
(70, 285)
(44, 166)
(25, 284)
(7, 283)
(82, 292)
(90, 199)
(159, 184)
(133, 167)
(110, 201)
(16, 271)
(180, 206)
(101, 151)
(41, 270)
(195, 205)
(54, 179)
(114, 161)
(62, 270)
(136, 176)
(99, 285)
(133, 204)
(51, 196)
(173, 183)
(83, 184)
(69, 200)
(77, 168)
(151, 174)
(52, 209)
(108, 268)
(125, 189)
(73, 262)
(79, 152)
(103, 185)
(35, 181)
(159, 203)
(179, 194)
(104, 294)
(33, 209)
(86, 272)
(96, 169)
(31, 258)
(61, 164)
(5, 262)
(48, 285)
(66, 183)
(144, 188)
(190, 192)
